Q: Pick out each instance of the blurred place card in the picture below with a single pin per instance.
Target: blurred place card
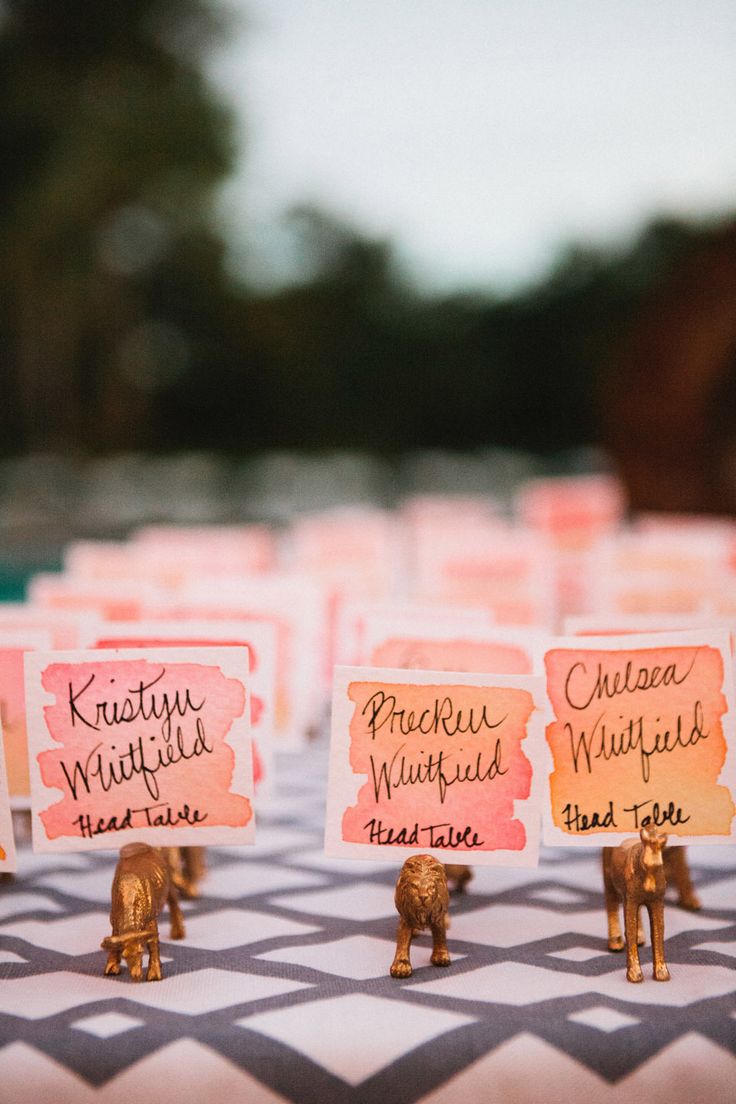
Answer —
(642, 734)
(257, 636)
(14, 643)
(65, 629)
(420, 764)
(502, 650)
(504, 570)
(361, 624)
(139, 744)
(296, 608)
(7, 844)
(113, 599)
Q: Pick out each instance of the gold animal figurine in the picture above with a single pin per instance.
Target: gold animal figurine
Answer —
(458, 876)
(633, 873)
(422, 901)
(187, 867)
(141, 885)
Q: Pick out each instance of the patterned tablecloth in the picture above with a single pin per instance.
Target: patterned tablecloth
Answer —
(280, 990)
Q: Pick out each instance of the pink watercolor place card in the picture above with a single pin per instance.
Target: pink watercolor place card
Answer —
(66, 630)
(215, 549)
(642, 733)
(502, 650)
(295, 606)
(7, 843)
(622, 624)
(504, 570)
(257, 636)
(139, 744)
(424, 763)
(114, 599)
(574, 510)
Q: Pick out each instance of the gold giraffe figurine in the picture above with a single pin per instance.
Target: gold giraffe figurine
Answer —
(422, 901)
(141, 885)
(633, 873)
(458, 876)
(187, 868)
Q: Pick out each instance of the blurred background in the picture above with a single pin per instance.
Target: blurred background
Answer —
(273, 255)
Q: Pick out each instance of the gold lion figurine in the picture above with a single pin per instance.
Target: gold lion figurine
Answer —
(141, 885)
(633, 873)
(422, 900)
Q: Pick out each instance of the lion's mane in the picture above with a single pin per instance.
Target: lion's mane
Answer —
(422, 874)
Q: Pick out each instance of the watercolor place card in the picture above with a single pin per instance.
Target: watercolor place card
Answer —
(295, 606)
(421, 763)
(7, 843)
(113, 599)
(501, 569)
(500, 649)
(642, 733)
(257, 636)
(139, 744)
(14, 643)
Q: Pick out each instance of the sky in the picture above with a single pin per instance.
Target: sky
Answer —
(479, 136)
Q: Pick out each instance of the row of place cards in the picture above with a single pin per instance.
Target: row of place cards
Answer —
(611, 734)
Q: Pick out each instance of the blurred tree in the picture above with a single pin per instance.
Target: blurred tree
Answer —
(668, 400)
(120, 328)
(111, 143)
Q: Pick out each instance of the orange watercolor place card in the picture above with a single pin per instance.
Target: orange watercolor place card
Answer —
(14, 643)
(450, 765)
(642, 733)
(139, 744)
(7, 843)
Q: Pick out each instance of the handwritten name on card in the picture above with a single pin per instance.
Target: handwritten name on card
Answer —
(7, 844)
(150, 745)
(257, 636)
(642, 734)
(421, 764)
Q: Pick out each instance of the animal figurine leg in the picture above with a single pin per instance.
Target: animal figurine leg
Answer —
(677, 872)
(175, 915)
(154, 958)
(615, 936)
(656, 924)
(631, 929)
(194, 864)
(440, 953)
(401, 965)
(112, 966)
